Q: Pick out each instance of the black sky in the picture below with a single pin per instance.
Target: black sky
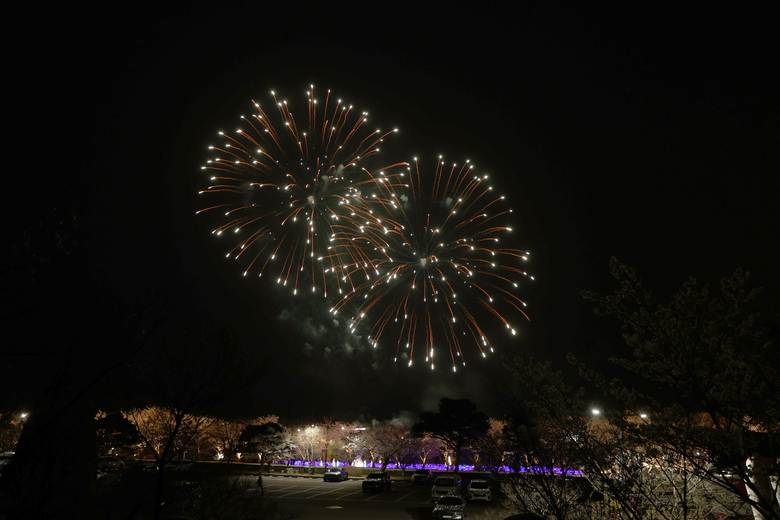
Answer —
(648, 134)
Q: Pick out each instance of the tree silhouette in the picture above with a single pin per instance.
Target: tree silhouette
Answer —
(177, 398)
(268, 439)
(714, 380)
(457, 424)
(72, 331)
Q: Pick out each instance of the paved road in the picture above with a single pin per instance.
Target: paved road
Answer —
(314, 499)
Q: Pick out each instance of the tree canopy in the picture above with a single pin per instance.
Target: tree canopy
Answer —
(457, 424)
(689, 428)
(269, 439)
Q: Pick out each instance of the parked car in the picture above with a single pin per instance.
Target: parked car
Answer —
(5, 458)
(445, 485)
(422, 476)
(250, 458)
(109, 463)
(479, 490)
(179, 465)
(377, 480)
(450, 506)
(337, 474)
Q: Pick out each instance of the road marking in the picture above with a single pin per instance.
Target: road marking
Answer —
(288, 494)
(406, 495)
(353, 493)
(328, 492)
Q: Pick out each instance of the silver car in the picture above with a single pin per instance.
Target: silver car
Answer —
(445, 485)
(450, 506)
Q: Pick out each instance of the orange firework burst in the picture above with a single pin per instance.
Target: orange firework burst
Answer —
(435, 268)
(281, 183)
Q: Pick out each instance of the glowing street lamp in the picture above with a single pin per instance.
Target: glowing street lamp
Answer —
(596, 412)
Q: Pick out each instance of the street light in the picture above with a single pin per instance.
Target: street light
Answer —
(597, 412)
(643, 416)
(327, 441)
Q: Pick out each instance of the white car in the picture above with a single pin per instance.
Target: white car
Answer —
(479, 490)
(445, 485)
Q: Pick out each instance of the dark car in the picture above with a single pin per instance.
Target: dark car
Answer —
(110, 464)
(337, 474)
(377, 480)
(422, 476)
(450, 506)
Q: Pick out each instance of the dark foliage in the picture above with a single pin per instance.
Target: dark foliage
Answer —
(457, 424)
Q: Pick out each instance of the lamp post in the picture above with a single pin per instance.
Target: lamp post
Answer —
(642, 416)
(597, 412)
(327, 441)
(311, 451)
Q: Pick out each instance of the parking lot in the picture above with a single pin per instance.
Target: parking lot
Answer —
(314, 498)
(301, 495)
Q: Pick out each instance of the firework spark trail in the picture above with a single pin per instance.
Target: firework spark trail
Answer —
(435, 261)
(284, 186)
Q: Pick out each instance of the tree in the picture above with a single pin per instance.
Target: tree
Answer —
(11, 422)
(165, 431)
(425, 447)
(307, 441)
(385, 441)
(714, 380)
(201, 445)
(226, 435)
(64, 373)
(409, 454)
(457, 424)
(269, 439)
(61, 373)
(114, 432)
(571, 464)
(183, 396)
(489, 449)
(348, 437)
(549, 442)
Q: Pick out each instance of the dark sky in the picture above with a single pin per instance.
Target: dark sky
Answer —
(647, 134)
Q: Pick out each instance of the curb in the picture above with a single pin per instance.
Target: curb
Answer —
(300, 475)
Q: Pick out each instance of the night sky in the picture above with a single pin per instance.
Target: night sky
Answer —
(650, 135)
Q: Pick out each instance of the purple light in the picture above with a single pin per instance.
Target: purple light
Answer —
(537, 470)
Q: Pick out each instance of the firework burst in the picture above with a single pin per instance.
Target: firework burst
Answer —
(281, 183)
(438, 268)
